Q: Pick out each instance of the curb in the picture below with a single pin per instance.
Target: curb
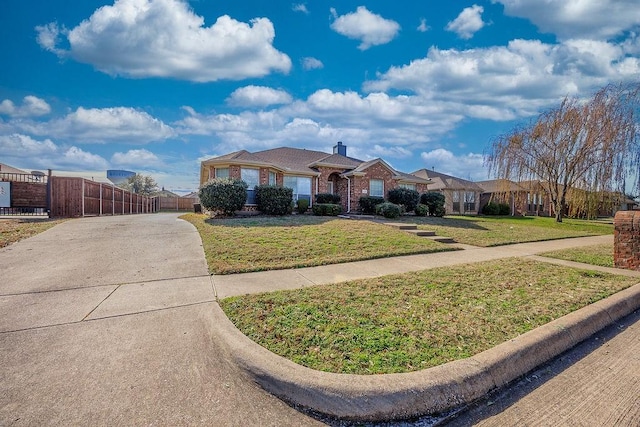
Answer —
(386, 397)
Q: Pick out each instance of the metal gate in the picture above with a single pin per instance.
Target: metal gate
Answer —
(24, 194)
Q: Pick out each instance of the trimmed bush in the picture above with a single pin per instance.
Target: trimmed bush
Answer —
(274, 200)
(223, 196)
(368, 204)
(421, 210)
(388, 210)
(405, 197)
(493, 208)
(326, 209)
(328, 198)
(302, 205)
(434, 201)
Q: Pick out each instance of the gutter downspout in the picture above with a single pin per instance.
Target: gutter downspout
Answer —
(348, 195)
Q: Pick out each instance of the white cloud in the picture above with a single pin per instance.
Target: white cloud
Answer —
(300, 7)
(165, 38)
(467, 166)
(468, 22)
(423, 27)
(369, 28)
(588, 19)
(32, 106)
(24, 150)
(310, 63)
(258, 96)
(136, 158)
(517, 80)
(95, 125)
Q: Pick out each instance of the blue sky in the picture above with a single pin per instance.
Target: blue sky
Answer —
(156, 86)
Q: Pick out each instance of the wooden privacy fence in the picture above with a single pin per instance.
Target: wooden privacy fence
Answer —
(177, 203)
(76, 197)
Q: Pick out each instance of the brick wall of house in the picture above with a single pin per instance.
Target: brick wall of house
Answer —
(626, 238)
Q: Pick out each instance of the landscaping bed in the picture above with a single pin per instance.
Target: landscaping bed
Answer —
(413, 321)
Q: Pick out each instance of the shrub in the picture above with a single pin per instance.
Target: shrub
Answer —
(368, 204)
(223, 195)
(302, 205)
(493, 208)
(405, 197)
(326, 209)
(421, 210)
(328, 198)
(274, 200)
(388, 210)
(434, 201)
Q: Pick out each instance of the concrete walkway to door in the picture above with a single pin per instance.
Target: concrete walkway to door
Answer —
(108, 321)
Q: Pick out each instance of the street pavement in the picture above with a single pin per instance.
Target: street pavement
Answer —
(108, 321)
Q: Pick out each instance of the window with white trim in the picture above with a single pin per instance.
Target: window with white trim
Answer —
(301, 186)
(408, 186)
(272, 178)
(252, 178)
(376, 188)
(222, 172)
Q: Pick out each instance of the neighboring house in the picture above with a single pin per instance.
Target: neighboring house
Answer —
(460, 196)
(310, 172)
(165, 193)
(504, 191)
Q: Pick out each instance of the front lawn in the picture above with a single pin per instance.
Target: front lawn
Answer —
(14, 230)
(496, 231)
(413, 321)
(601, 255)
(268, 243)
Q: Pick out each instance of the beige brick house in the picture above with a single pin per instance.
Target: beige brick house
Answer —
(310, 172)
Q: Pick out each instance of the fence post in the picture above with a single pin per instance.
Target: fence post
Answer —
(49, 192)
(83, 197)
(100, 199)
(113, 200)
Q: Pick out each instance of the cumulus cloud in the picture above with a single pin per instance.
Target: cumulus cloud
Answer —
(466, 166)
(101, 125)
(468, 22)
(310, 63)
(45, 154)
(32, 106)
(136, 158)
(584, 19)
(506, 82)
(371, 29)
(258, 96)
(165, 38)
(300, 7)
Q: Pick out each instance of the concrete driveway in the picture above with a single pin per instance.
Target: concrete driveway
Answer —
(107, 321)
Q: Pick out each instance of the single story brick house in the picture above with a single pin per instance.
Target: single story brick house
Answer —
(310, 172)
(460, 196)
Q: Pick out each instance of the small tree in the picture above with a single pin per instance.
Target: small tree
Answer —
(576, 149)
(141, 184)
(223, 195)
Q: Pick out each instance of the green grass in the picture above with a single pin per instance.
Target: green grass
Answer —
(269, 243)
(601, 255)
(496, 231)
(14, 230)
(407, 322)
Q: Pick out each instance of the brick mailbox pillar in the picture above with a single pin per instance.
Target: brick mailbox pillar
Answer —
(626, 243)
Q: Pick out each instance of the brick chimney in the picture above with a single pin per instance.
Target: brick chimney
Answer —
(340, 149)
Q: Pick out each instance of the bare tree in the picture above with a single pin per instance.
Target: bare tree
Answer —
(579, 148)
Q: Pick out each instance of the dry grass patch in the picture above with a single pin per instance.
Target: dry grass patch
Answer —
(14, 230)
(413, 321)
(269, 243)
(601, 255)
